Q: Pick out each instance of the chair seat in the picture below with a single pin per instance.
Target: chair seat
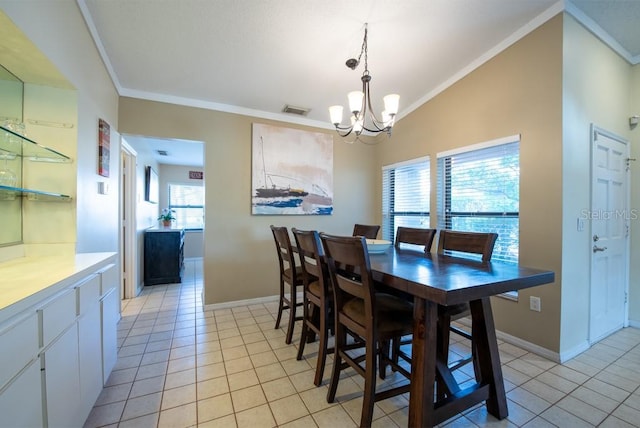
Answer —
(298, 280)
(454, 311)
(316, 289)
(393, 314)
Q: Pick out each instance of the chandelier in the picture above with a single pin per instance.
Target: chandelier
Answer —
(364, 121)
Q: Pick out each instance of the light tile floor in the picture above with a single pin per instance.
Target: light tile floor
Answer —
(181, 367)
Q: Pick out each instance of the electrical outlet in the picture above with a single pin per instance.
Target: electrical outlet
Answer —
(534, 303)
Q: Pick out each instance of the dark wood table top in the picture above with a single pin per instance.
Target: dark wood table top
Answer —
(448, 280)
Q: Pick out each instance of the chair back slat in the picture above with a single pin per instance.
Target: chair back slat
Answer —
(366, 230)
(349, 269)
(283, 247)
(310, 253)
(415, 236)
(467, 242)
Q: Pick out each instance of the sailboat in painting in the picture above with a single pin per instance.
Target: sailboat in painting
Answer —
(277, 196)
(286, 190)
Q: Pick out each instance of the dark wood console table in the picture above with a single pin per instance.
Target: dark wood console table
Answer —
(163, 255)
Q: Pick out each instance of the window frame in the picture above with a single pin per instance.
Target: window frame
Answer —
(389, 193)
(446, 215)
(177, 206)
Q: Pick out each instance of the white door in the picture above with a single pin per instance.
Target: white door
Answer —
(609, 242)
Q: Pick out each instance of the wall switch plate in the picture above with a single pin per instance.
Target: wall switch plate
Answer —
(103, 188)
(534, 303)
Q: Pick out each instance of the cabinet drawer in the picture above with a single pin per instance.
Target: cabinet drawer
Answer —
(88, 293)
(19, 345)
(109, 279)
(57, 315)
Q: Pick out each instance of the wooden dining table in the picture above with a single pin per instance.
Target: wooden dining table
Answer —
(435, 279)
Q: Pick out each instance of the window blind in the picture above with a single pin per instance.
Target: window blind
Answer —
(188, 203)
(406, 191)
(479, 191)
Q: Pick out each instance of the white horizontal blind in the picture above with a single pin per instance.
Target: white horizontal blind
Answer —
(406, 191)
(479, 191)
(188, 203)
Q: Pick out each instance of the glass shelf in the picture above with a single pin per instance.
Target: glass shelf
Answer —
(13, 144)
(11, 193)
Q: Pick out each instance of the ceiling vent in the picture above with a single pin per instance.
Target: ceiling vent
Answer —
(162, 152)
(300, 111)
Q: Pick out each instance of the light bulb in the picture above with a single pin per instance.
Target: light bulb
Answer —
(335, 112)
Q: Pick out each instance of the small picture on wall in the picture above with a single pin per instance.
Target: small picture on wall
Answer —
(104, 143)
(151, 188)
(292, 171)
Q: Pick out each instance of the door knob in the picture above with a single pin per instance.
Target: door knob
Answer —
(596, 248)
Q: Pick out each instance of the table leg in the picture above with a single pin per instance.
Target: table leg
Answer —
(423, 366)
(486, 345)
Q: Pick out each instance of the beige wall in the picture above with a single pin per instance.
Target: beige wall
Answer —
(517, 92)
(596, 90)
(239, 254)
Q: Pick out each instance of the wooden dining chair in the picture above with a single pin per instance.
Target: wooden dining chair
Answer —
(461, 244)
(366, 230)
(290, 275)
(371, 318)
(411, 238)
(318, 297)
(415, 237)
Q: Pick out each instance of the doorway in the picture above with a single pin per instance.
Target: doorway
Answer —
(128, 227)
(609, 243)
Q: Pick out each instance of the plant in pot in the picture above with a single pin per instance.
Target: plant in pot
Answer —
(166, 216)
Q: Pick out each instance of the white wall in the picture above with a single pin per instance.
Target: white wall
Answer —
(59, 32)
(634, 274)
(596, 89)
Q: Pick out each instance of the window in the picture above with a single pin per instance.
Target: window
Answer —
(479, 191)
(188, 203)
(406, 190)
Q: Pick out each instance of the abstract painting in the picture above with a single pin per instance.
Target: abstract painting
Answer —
(292, 171)
(104, 142)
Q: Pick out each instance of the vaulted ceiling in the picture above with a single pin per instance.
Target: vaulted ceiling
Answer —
(256, 56)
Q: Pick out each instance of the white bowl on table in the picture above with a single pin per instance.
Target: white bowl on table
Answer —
(376, 246)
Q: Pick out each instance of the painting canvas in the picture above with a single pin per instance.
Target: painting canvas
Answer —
(104, 135)
(292, 171)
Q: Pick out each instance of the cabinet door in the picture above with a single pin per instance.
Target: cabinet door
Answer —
(90, 350)
(21, 403)
(62, 381)
(110, 317)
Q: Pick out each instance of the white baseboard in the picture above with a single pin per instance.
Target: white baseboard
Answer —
(634, 323)
(236, 303)
(520, 343)
(247, 302)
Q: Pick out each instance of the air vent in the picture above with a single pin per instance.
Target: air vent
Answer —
(300, 111)
(162, 152)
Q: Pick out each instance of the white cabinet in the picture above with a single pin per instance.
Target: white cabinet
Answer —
(62, 381)
(110, 317)
(89, 343)
(20, 379)
(59, 347)
(20, 403)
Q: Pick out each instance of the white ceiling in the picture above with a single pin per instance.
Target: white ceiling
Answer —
(256, 56)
